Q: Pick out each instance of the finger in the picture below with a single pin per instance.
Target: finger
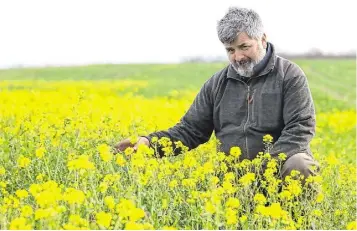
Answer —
(138, 144)
(120, 147)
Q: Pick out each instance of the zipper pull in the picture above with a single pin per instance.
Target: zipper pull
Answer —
(248, 94)
(250, 97)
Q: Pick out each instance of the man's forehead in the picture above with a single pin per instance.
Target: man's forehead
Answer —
(242, 37)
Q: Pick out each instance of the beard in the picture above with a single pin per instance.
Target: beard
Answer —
(246, 67)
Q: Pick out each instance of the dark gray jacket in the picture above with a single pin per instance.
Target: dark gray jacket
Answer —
(276, 101)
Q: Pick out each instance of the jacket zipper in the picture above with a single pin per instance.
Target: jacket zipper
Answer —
(251, 102)
(246, 122)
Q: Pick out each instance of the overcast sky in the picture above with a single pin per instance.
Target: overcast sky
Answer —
(70, 32)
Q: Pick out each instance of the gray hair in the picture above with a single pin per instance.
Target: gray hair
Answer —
(238, 20)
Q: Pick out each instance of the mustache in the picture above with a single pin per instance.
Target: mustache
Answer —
(243, 62)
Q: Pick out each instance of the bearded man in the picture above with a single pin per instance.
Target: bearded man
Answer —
(258, 93)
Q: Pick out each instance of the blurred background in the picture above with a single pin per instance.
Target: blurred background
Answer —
(56, 33)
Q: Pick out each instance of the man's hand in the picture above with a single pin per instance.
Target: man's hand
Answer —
(124, 144)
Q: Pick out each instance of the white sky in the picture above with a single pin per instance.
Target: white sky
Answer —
(70, 32)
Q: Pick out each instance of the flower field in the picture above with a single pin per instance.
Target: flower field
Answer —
(58, 170)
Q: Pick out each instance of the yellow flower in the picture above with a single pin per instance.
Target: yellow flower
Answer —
(133, 139)
(208, 167)
(221, 156)
(103, 148)
(294, 187)
(76, 223)
(235, 152)
(261, 209)
(299, 222)
(35, 189)
(104, 152)
(74, 196)
(224, 167)
(120, 160)
(26, 211)
(228, 187)
(129, 151)
(272, 164)
(233, 203)
(332, 160)
(267, 138)
(2, 171)
(214, 180)
(317, 212)
(210, 208)
(47, 194)
(23, 162)
(282, 156)
(103, 187)
(124, 206)
(165, 203)
(260, 199)
(275, 210)
(320, 198)
(21, 193)
(109, 202)
(60, 209)
(40, 152)
(267, 156)
(48, 198)
(20, 224)
(45, 213)
(40, 176)
(169, 228)
(229, 176)
(189, 182)
(285, 195)
(3, 184)
(133, 226)
(173, 184)
(247, 179)
(104, 219)
(82, 162)
(154, 139)
(15, 202)
(189, 161)
(231, 216)
(243, 218)
(148, 226)
(136, 214)
(351, 226)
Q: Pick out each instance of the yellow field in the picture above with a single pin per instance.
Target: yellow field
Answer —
(57, 169)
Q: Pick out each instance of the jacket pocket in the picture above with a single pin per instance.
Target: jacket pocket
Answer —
(269, 110)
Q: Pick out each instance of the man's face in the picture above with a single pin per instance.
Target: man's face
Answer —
(244, 53)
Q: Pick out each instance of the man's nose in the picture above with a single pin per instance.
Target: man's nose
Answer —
(238, 56)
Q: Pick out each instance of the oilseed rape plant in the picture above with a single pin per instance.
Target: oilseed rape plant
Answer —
(58, 169)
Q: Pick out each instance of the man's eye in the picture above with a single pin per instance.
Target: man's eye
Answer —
(230, 50)
(245, 47)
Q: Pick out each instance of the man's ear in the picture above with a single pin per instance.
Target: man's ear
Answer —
(264, 41)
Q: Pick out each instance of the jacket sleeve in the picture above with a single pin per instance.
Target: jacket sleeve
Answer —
(299, 117)
(196, 126)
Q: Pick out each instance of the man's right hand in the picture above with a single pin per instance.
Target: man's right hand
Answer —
(124, 144)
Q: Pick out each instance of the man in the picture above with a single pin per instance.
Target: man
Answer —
(258, 93)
